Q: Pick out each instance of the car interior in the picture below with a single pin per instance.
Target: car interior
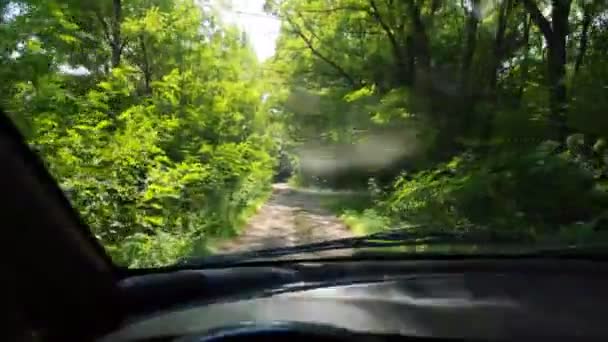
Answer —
(62, 286)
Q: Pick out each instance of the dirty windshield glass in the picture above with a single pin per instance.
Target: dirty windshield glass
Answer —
(191, 128)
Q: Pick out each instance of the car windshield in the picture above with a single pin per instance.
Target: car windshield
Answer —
(191, 128)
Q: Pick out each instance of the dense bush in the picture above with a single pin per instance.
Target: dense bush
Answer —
(531, 192)
(147, 207)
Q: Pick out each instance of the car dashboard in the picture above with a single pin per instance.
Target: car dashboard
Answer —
(437, 300)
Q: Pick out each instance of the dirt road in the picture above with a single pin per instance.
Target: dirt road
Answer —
(290, 217)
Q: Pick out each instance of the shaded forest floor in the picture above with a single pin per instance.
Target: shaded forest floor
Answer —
(290, 217)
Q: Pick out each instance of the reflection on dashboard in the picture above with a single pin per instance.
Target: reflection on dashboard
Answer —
(471, 306)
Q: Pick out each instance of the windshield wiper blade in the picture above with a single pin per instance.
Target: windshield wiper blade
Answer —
(390, 238)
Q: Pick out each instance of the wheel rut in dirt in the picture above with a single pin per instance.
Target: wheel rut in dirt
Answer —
(290, 217)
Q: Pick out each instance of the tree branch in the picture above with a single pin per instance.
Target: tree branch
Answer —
(104, 26)
(319, 55)
(538, 18)
(396, 47)
(307, 27)
(334, 9)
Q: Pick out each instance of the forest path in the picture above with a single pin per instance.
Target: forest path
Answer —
(290, 217)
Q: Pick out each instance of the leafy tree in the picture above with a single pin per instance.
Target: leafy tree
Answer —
(490, 80)
(160, 140)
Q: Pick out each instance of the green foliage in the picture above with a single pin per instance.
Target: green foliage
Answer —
(164, 130)
(589, 100)
(473, 92)
(532, 193)
(365, 222)
(143, 250)
(160, 153)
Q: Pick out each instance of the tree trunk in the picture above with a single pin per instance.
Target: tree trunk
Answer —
(497, 49)
(557, 67)
(411, 59)
(422, 72)
(116, 43)
(469, 49)
(467, 97)
(582, 47)
(421, 40)
(525, 64)
(145, 67)
(555, 33)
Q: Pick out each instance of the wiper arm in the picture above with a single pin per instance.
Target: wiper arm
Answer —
(391, 238)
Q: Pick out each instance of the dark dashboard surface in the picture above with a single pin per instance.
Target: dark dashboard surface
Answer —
(490, 300)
